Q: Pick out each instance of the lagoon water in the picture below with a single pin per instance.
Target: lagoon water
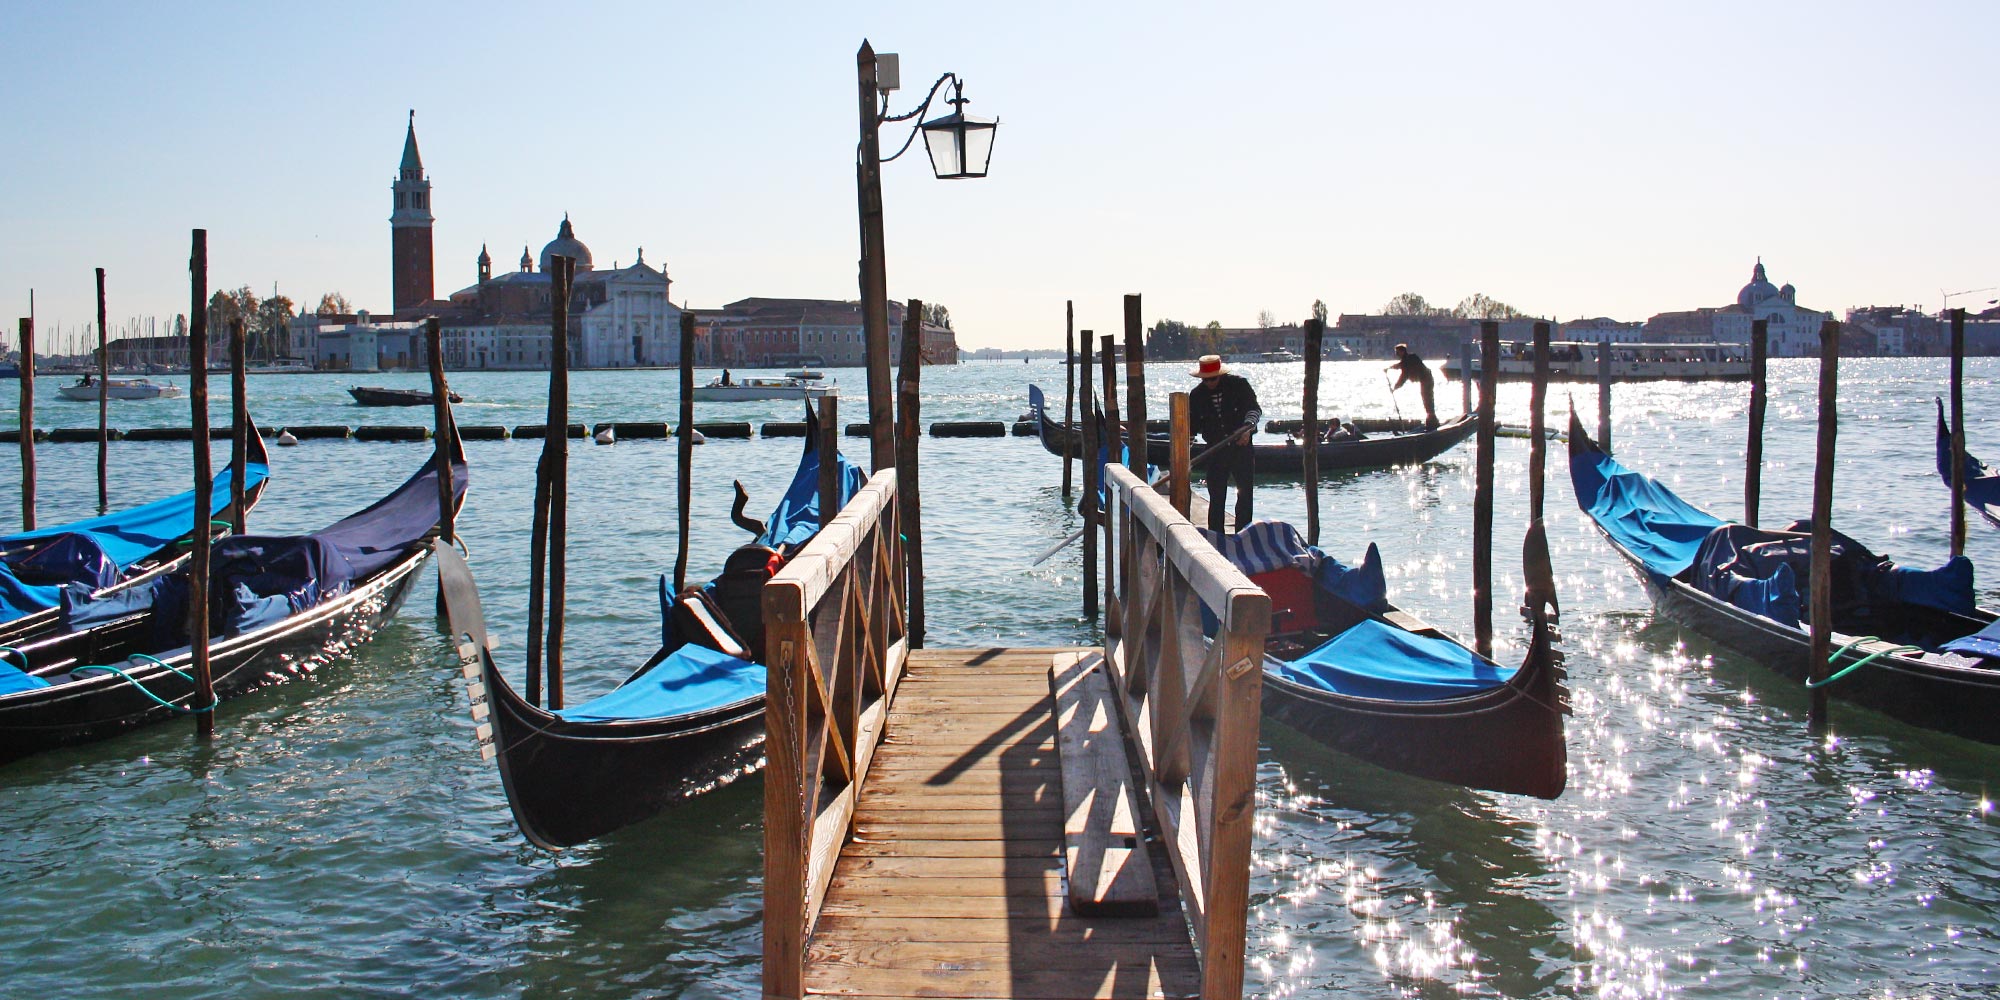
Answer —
(342, 834)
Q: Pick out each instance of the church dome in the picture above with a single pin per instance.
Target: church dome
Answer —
(566, 245)
(1758, 290)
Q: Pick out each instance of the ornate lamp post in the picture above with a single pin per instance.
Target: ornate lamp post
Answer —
(960, 146)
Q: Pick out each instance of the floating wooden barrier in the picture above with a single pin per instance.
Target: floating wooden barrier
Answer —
(486, 432)
(215, 433)
(14, 436)
(539, 431)
(968, 429)
(726, 429)
(656, 430)
(1026, 429)
(392, 433)
(75, 434)
(783, 429)
(859, 431)
(323, 432)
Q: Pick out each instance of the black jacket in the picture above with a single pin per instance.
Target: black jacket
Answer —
(1218, 412)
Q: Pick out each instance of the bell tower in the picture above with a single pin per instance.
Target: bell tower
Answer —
(410, 228)
(485, 265)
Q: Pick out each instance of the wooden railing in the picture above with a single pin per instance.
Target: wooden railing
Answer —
(1192, 704)
(834, 638)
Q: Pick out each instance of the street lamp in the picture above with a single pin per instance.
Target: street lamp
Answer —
(959, 146)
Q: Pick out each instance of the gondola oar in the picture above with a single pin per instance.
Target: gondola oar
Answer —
(1157, 481)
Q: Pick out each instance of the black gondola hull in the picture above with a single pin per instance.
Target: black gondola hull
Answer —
(569, 782)
(102, 706)
(1289, 460)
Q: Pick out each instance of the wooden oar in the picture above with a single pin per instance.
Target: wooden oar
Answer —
(1158, 481)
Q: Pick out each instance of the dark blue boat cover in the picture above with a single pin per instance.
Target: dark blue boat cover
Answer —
(1036, 402)
(258, 580)
(797, 515)
(1982, 485)
(1374, 659)
(1761, 572)
(35, 566)
(1644, 517)
(1985, 642)
(692, 679)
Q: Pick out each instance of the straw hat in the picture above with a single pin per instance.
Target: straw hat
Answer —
(1209, 366)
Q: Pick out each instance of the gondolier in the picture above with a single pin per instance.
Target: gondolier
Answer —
(1413, 369)
(1224, 409)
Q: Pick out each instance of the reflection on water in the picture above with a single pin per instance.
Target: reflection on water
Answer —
(343, 835)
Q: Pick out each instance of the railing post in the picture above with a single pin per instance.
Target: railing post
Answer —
(1233, 787)
(1180, 432)
(786, 826)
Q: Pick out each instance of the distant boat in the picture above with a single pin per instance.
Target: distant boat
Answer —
(368, 395)
(10, 370)
(85, 389)
(1576, 361)
(1277, 357)
(281, 366)
(746, 389)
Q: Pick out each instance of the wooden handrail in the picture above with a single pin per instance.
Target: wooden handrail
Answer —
(835, 642)
(1192, 704)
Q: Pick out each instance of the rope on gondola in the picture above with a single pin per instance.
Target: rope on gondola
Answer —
(1862, 662)
(134, 681)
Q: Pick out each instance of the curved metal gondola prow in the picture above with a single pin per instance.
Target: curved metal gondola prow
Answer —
(1539, 572)
(1580, 442)
(463, 614)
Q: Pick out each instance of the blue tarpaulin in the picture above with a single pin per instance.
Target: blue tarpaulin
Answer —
(1374, 659)
(35, 566)
(797, 515)
(693, 679)
(1645, 518)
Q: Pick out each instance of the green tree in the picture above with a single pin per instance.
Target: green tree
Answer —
(1479, 305)
(332, 304)
(1319, 310)
(273, 336)
(936, 314)
(1169, 341)
(1412, 304)
(1266, 319)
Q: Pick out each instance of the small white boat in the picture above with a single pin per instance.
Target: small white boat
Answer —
(745, 389)
(85, 389)
(1277, 357)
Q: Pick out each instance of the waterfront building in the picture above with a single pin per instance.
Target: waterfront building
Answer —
(1602, 329)
(1792, 329)
(1899, 331)
(786, 333)
(357, 342)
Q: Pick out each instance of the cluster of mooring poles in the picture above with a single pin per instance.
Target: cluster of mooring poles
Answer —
(202, 528)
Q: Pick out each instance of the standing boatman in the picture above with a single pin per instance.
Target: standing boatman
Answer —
(1225, 412)
(1414, 370)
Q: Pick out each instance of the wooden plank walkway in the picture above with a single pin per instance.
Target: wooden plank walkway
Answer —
(953, 883)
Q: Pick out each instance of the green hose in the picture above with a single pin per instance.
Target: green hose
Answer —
(1858, 664)
(134, 681)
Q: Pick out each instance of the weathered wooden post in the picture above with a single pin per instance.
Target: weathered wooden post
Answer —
(1760, 396)
(203, 700)
(27, 423)
(1113, 420)
(559, 478)
(1069, 392)
(684, 451)
(1604, 395)
(1315, 337)
(444, 430)
(1465, 373)
(874, 269)
(1822, 523)
(1088, 506)
(829, 467)
(1537, 424)
(1482, 492)
(103, 405)
(909, 506)
(1958, 432)
(1135, 390)
(1180, 431)
(239, 423)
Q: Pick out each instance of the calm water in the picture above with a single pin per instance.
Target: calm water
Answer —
(342, 834)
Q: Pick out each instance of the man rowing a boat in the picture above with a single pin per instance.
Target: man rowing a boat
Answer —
(1225, 412)
(1414, 370)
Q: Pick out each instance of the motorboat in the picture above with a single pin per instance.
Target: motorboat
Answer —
(368, 395)
(86, 389)
(1277, 357)
(739, 390)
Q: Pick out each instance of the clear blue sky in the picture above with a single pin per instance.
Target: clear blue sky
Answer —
(1574, 159)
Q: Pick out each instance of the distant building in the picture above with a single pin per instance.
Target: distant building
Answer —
(1896, 331)
(785, 333)
(357, 342)
(1793, 331)
(1600, 330)
(1372, 336)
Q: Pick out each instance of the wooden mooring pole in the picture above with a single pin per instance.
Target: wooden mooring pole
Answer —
(1482, 492)
(1180, 430)
(1088, 507)
(103, 405)
(203, 701)
(829, 468)
(444, 430)
(1069, 392)
(27, 423)
(558, 436)
(1315, 339)
(1604, 395)
(1760, 397)
(1538, 391)
(1465, 374)
(239, 423)
(1958, 432)
(1108, 349)
(1821, 614)
(909, 430)
(684, 453)
(1135, 390)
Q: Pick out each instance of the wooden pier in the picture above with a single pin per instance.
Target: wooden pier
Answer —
(986, 823)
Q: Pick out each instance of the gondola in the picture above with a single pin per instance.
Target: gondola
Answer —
(1932, 657)
(280, 607)
(1289, 459)
(108, 552)
(1354, 672)
(688, 720)
(1982, 484)
(368, 395)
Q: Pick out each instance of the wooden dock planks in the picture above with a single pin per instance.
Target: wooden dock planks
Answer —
(1103, 838)
(954, 884)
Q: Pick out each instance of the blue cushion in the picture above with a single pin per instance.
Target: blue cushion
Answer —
(1378, 660)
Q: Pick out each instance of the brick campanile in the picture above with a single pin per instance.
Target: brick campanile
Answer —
(410, 229)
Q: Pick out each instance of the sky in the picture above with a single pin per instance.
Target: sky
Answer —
(1219, 159)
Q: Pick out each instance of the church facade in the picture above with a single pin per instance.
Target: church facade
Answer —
(1793, 331)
